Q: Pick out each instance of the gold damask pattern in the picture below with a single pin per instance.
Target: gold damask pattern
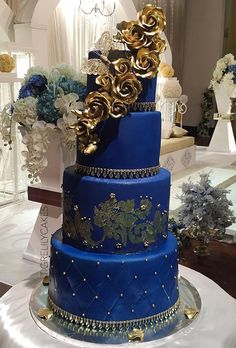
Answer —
(120, 86)
(120, 221)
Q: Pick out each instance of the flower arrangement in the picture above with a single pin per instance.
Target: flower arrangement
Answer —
(42, 110)
(205, 210)
(7, 63)
(166, 70)
(171, 89)
(118, 82)
(225, 71)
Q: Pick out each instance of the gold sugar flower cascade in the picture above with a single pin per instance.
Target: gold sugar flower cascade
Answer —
(120, 87)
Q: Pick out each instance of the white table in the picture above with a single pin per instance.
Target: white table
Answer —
(215, 326)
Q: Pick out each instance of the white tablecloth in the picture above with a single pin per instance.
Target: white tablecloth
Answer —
(215, 327)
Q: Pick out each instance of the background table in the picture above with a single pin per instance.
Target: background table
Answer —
(215, 326)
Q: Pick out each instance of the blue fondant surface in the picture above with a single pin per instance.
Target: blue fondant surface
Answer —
(113, 287)
(131, 142)
(85, 193)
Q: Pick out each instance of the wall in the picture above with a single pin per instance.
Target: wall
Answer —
(203, 47)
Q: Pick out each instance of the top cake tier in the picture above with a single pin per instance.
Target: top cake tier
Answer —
(148, 93)
(131, 142)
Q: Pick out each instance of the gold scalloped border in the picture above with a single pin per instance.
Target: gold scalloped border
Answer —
(158, 319)
(117, 173)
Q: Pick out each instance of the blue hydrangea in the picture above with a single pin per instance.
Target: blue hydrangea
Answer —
(25, 92)
(37, 83)
(232, 68)
(72, 86)
(45, 106)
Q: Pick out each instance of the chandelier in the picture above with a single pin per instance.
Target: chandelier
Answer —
(98, 7)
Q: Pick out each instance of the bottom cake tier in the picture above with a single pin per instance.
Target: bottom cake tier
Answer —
(103, 289)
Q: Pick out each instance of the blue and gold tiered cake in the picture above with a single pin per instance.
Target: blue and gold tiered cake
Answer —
(114, 263)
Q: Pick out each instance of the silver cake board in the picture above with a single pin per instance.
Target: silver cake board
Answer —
(68, 332)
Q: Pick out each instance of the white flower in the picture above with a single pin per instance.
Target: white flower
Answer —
(68, 134)
(24, 111)
(37, 140)
(67, 71)
(66, 103)
(220, 74)
(171, 89)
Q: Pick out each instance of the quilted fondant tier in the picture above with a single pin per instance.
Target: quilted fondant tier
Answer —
(115, 215)
(113, 287)
(131, 142)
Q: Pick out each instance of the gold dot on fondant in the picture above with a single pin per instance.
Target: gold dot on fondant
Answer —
(178, 260)
(121, 295)
(171, 266)
(177, 288)
(175, 277)
(96, 297)
(73, 294)
(145, 292)
(146, 260)
(166, 256)
(108, 276)
(153, 305)
(84, 279)
(64, 273)
(135, 277)
(176, 250)
(155, 273)
(112, 195)
(168, 297)
(72, 261)
(83, 315)
(56, 252)
(122, 262)
(163, 286)
(98, 263)
(132, 310)
(108, 313)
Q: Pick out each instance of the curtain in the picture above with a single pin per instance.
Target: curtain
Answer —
(23, 9)
(175, 28)
(73, 33)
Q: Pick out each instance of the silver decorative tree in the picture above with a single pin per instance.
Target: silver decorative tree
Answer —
(205, 211)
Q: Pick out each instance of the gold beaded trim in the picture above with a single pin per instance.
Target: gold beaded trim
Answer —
(158, 319)
(117, 173)
(142, 106)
